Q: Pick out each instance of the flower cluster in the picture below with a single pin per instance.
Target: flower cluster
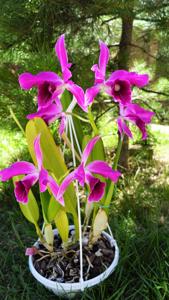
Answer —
(118, 86)
(50, 87)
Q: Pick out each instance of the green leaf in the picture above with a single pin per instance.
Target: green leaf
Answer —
(98, 152)
(45, 199)
(100, 224)
(62, 224)
(53, 208)
(31, 209)
(49, 236)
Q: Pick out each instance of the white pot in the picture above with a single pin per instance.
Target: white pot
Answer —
(69, 290)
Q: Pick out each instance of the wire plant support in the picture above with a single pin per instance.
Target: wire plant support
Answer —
(73, 138)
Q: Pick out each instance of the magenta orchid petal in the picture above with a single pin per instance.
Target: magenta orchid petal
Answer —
(62, 124)
(28, 80)
(17, 168)
(61, 53)
(99, 78)
(103, 58)
(77, 92)
(120, 125)
(139, 80)
(97, 188)
(141, 125)
(80, 174)
(59, 105)
(136, 79)
(103, 169)
(91, 93)
(137, 115)
(38, 151)
(54, 187)
(89, 148)
(31, 251)
(123, 128)
(65, 183)
(22, 187)
(100, 69)
(49, 113)
(43, 180)
(143, 114)
(66, 74)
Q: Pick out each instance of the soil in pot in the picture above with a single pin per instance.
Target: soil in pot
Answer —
(63, 265)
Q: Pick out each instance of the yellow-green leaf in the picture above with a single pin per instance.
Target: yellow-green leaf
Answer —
(88, 209)
(100, 224)
(98, 152)
(49, 236)
(53, 208)
(45, 199)
(62, 224)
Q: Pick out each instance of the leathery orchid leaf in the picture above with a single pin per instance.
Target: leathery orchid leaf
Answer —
(31, 209)
(52, 160)
(62, 224)
(98, 152)
(100, 224)
(45, 199)
(53, 208)
(88, 209)
(49, 236)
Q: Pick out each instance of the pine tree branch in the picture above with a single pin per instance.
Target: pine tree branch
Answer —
(154, 92)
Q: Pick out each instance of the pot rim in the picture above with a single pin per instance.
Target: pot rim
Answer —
(77, 285)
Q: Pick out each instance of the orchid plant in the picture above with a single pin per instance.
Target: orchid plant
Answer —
(63, 190)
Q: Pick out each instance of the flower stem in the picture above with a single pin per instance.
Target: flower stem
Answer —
(92, 122)
(77, 116)
(41, 237)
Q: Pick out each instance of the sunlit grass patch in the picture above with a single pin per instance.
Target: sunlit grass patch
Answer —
(12, 143)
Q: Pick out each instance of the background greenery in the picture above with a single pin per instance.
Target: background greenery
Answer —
(140, 212)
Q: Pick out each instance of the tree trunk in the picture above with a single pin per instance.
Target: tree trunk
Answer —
(123, 63)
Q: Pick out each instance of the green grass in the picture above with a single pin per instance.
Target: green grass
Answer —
(12, 144)
(139, 221)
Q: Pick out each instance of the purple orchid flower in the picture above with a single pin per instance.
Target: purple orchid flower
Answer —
(33, 174)
(118, 85)
(51, 113)
(137, 115)
(50, 85)
(84, 174)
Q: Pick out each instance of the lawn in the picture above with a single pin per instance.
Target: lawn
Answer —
(139, 221)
